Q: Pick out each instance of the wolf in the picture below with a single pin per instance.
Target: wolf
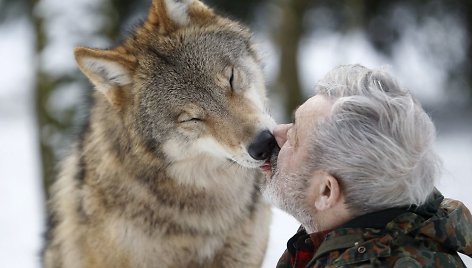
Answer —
(165, 173)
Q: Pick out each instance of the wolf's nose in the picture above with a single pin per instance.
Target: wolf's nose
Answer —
(262, 146)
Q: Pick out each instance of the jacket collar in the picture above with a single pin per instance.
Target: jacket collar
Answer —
(359, 229)
(376, 219)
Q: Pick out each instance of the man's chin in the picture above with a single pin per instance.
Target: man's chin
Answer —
(272, 189)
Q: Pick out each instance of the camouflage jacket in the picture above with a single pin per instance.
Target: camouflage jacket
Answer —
(427, 236)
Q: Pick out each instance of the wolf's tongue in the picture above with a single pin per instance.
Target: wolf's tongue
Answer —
(266, 166)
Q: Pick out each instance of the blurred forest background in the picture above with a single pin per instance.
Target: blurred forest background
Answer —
(442, 29)
(426, 44)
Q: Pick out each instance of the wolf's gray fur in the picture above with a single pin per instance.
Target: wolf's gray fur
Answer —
(162, 176)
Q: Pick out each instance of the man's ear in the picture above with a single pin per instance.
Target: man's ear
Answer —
(108, 70)
(329, 193)
(169, 15)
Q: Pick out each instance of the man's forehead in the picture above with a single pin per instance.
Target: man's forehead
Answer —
(300, 112)
(306, 107)
(314, 106)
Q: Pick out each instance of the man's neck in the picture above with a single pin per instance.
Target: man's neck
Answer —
(328, 219)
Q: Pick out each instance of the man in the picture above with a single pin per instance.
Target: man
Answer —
(357, 168)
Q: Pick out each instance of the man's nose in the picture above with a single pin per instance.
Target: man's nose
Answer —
(280, 133)
(262, 146)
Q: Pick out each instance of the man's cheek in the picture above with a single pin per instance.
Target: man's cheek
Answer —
(286, 158)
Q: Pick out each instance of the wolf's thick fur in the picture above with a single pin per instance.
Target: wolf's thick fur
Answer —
(161, 176)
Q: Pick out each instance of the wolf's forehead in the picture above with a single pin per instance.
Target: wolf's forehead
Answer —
(207, 53)
(221, 43)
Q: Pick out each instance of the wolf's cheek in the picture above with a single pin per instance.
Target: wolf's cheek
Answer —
(182, 149)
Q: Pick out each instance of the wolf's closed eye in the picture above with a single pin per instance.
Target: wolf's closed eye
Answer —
(231, 79)
(187, 117)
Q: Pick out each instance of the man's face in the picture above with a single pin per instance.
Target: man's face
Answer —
(288, 181)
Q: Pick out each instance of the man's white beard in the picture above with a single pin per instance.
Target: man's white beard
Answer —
(288, 194)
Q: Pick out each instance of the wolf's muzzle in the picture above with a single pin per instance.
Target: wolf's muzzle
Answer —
(262, 146)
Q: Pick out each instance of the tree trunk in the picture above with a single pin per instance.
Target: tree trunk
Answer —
(288, 38)
(42, 92)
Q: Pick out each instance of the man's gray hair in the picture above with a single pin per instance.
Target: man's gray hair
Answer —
(377, 141)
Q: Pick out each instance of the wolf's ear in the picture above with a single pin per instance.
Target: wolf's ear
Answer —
(108, 70)
(169, 15)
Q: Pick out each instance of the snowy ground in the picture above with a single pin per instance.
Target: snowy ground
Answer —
(21, 200)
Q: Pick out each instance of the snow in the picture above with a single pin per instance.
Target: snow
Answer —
(456, 152)
(21, 198)
(283, 227)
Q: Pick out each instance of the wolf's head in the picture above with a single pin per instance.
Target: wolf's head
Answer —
(187, 84)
